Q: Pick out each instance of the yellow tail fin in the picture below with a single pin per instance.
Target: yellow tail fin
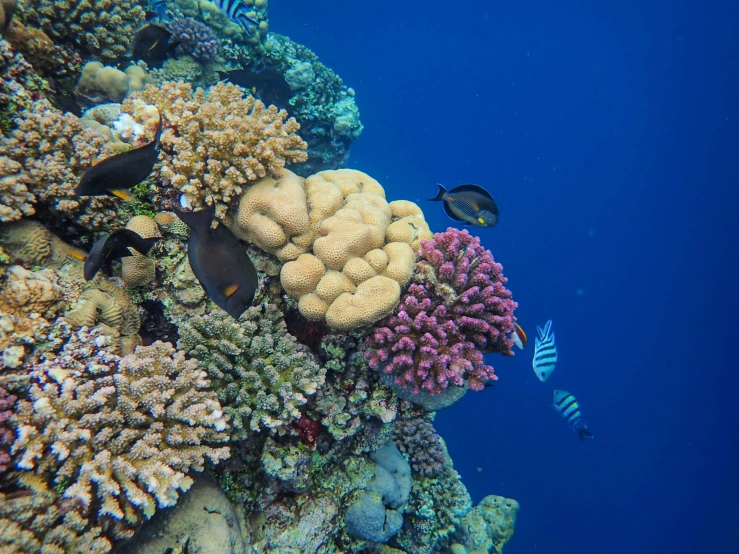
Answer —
(123, 194)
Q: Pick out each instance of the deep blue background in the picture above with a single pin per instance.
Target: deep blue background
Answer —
(608, 135)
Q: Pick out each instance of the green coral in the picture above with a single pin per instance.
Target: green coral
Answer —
(260, 371)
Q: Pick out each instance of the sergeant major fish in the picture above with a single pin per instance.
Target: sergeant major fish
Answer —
(113, 247)
(567, 406)
(219, 262)
(469, 203)
(545, 352)
(237, 11)
(116, 174)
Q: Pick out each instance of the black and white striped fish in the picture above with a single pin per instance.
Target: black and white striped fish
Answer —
(567, 406)
(237, 11)
(545, 352)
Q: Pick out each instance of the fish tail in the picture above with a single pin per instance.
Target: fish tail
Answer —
(77, 253)
(583, 433)
(439, 195)
(123, 195)
(196, 220)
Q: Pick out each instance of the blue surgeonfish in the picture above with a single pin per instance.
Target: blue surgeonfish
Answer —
(545, 352)
(567, 406)
(470, 204)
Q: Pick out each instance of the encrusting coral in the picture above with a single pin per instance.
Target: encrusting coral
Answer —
(261, 373)
(103, 28)
(118, 435)
(217, 143)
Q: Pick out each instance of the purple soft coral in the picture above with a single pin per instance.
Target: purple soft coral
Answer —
(456, 309)
(194, 38)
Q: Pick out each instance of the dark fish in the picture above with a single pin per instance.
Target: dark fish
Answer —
(219, 262)
(116, 174)
(8, 7)
(236, 11)
(469, 203)
(567, 406)
(152, 44)
(113, 247)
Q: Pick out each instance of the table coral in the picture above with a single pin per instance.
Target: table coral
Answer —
(456, 308)
(219, 142)
(47, 154)
(261, 373)
(119, 434)
(103, 28)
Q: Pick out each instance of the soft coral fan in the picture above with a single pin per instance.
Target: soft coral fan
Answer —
(119, 435)
(456, 308)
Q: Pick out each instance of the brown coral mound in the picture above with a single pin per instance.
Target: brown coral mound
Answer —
(43, 160)
(220, 142)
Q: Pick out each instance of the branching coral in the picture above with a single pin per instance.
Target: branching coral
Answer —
(217, 143)
(456, 309)
(118, 435)
(419, 441)
(261, 373)
(194, 38)
(45, 157)
(103, 28)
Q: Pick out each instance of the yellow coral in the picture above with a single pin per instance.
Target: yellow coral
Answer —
(373, 300)
(301, 276)
(218, 143)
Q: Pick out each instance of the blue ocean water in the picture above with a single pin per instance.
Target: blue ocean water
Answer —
(607, 132)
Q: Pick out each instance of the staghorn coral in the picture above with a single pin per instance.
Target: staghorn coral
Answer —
(261, 373)
(194, 38)
(53, 150)
(118, 435)
(35, 519)
(456, 308)
(218, 143)
(103, 28)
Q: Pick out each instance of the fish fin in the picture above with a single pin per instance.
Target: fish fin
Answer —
(439, 195)
(77, 253)
(472, 188)
(123, 194)
(196, 220)
(153, 45)
(583, 433)
(230, 290)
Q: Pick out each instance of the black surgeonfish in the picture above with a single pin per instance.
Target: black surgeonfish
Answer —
(219, 262)
(567, 406)
(113, 247)
(116, 174)
(153, 44)
(470, 204)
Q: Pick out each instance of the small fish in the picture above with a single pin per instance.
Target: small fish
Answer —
(519, 337)
(469, 203)
(219, 262)
(160, 10)
(236, 11)
(113, 247)
(116, 174)
(545, 352)
(567, 406)
(153, 44)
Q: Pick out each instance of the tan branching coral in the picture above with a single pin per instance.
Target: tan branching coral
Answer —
(119, 434)
(47, 154)
(219, 142)
(331, 229)
(100, 27)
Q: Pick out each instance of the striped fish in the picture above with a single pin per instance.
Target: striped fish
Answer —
(567, 406)
(545, 352)
(236, 11)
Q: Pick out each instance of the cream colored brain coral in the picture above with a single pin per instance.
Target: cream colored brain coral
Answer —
(409, 224)
(373, 300)
(138, 270)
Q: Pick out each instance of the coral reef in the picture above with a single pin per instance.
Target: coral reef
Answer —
(194, 38)
(138, 270)
(217, 144)
(210, 14)
(417, 439)
(102, 83)
(99, 27)
(7, 434)
(488, 526)
(456, 309)
(118, 435)
(19, 88)
(262, 374)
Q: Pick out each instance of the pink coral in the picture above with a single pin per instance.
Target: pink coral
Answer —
(456, 309)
